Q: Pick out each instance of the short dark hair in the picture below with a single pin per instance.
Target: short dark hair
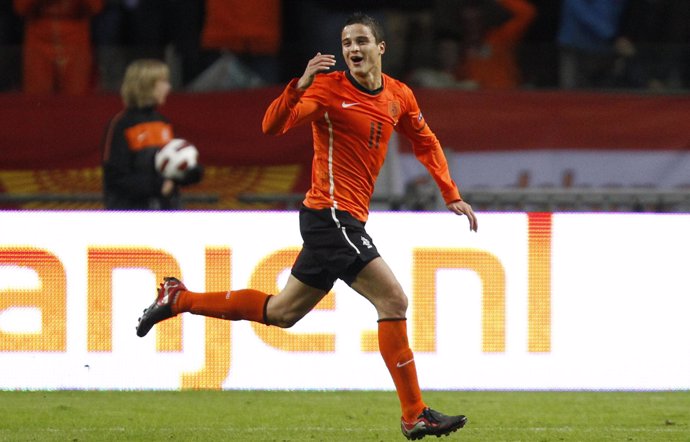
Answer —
(368, 21)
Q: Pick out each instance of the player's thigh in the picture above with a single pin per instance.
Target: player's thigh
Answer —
(293, 302)
(377, 283)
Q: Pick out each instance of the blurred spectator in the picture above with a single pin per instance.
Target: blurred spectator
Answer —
(110, 34)
(492, 31)
(586, 37)
(410, 28)
(132, 139)
(246, 37)
(442, 72)
(538, 54)
(433, 61)
(57, 48)
(169, 29)
(655, 39)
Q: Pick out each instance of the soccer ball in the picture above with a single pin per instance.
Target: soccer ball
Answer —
(175, 158)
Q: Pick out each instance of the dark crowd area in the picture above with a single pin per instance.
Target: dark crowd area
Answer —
(84, 46)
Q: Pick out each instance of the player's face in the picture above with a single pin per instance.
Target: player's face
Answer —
(161, 89)
(361, 52)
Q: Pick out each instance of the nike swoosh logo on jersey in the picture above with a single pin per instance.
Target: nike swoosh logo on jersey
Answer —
(399, 364)
(346, 105)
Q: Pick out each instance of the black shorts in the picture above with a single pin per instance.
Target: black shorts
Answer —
(336, 246)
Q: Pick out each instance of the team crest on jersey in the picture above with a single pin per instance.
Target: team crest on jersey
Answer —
(394, 109)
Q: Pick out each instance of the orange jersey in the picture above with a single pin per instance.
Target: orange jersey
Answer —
(351, 127)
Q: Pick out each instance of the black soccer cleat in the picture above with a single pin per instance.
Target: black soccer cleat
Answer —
(160, 309)
(431, 422)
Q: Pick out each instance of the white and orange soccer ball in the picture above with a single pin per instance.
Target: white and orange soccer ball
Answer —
(175, 158)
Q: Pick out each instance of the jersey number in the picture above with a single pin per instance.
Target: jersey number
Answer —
(375, 134)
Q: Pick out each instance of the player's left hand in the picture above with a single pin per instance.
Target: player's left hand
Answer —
(462, 208)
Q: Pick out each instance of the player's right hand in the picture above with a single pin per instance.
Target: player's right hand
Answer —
(320, 63)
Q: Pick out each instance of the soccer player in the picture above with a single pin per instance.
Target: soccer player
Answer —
(352, 114)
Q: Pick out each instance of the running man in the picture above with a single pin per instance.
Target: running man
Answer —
(353, 114)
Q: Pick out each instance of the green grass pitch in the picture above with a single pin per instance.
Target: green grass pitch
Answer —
(337, 415)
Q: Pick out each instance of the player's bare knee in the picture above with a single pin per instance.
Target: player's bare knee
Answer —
(287, 324)
(285, 320)
(398, 298)
(398, 304)
(394, 305)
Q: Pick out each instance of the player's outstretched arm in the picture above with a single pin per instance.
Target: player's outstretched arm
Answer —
(320, 63)
(462, 208)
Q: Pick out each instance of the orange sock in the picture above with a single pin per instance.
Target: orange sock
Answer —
(399, 359)
(232, 305)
